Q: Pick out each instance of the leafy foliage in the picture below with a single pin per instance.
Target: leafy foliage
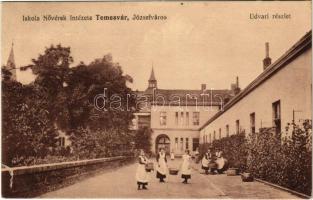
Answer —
(62, 98)
(286, 162)
(27, 131)
(143, 139)
(233, 147)
(89, 144)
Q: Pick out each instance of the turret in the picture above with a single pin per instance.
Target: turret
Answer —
(11, 64)
(152, 81)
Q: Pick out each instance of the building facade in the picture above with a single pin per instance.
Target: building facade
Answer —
(280, 95)
(175, 116)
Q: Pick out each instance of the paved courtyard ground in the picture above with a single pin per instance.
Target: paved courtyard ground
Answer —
(121, 183)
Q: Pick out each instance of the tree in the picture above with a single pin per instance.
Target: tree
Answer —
(27, 132)
(62, 97)
(143, 139)
(52, 70)
(71, 91)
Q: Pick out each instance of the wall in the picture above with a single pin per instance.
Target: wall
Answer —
(291, 85)
(172, 134)
(32, 181)
(173, 130)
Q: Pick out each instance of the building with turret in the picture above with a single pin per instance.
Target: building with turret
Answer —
(281, 94)
(176, 115)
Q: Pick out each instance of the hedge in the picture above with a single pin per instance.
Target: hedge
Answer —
(233, 147)
(287, 161)
(284, 159)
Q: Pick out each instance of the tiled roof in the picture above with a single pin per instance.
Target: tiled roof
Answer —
(297, 49)
(185, 97)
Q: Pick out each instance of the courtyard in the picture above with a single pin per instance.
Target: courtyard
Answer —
(121, 183)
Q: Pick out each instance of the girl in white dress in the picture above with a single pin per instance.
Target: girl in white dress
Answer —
(162, 166)
(172, 155)
(207, 158)
(186, 167)
(141, 173)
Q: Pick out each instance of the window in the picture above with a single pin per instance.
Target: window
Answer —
(182, 118)
(203, 141)
(210, 138)
(163, 118)
(62, 141)
(195, 144)
(214, 138)
(187, 118)
(206, 138)
(237, 126)
(277, 116)
(176, 143)
(252, 122)
(176, 118)
(181, 144)
(164, 140)
(227, 130)
(187, 143)
(219, 133)
(196, 118)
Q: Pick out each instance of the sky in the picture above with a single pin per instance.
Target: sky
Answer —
(200, 42)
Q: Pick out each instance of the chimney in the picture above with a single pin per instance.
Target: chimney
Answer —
(237, 82)
(235, 87)
(267, 60)
(203, 87)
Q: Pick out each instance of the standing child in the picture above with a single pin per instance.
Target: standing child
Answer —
(172, 155)
(186, 167)
(162, 167)
(141, 173)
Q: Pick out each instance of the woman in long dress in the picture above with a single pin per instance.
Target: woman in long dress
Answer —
(206, 160)
(141, 173)
(186, 167)
(221, 162)
(162, 166)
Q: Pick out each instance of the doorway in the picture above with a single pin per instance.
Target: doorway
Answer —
(163, 141)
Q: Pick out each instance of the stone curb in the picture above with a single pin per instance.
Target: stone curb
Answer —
(283, 188)
(304, 196)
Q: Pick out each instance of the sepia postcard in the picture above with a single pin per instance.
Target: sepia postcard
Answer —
(156, 99)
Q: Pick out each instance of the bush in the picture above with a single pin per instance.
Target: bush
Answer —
(284, 162)
(143, 139)
(89, 144)
(233, 147)
(283, 159)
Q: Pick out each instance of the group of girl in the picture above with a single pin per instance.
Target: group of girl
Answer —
(142, 174)
(214, 162)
